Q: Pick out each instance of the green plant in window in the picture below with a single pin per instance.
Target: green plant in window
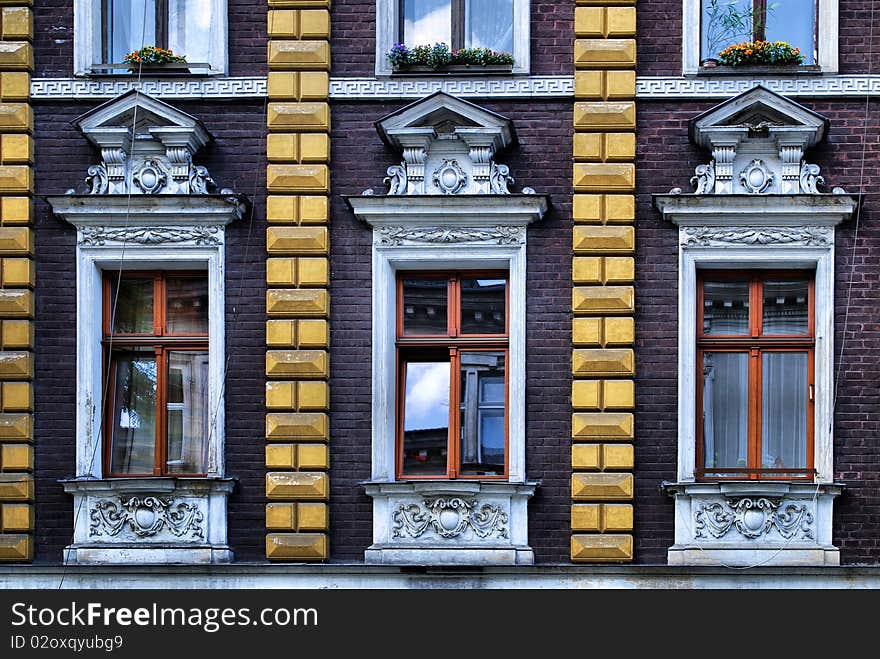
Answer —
(150, 55)
(729, 21)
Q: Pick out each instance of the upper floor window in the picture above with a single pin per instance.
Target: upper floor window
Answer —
(755, 343)
(108, 30)
(452, 354)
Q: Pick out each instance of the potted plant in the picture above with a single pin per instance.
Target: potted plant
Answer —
(439, 58)
(152, 59)
(761, 53)
(727, 22)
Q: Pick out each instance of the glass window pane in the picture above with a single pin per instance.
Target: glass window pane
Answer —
(189, 29)
(483, 306)
(786, 307)
(424, 306)
(724, 22)
(489, 24)
(133, 440)
(426, 417)
(187, 301)
(482, 413)
(426, 22)
(133, 305)
(793, 21)
(725, 307)
(187, 411)
(130, 25)
(784, 410)
(725, 410)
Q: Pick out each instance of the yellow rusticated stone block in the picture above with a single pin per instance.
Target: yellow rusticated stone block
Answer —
(586, 456)
(618, 394)
(298, 85)
(589, 22)
(589, 84)
(16, 149)
(602, 362)
(16, 56)
(619, 269)
(294, 24)
(619, 332)
(602, 299)
(297, 271)
(293, 178)
(586, 331)
(16, 365)
(592, 487)
(17, 272)
(602, 517)
(16, 303)
(15, 117)
(15, 86)
(588, 208)
(620, 22)
(602, 425)
(16, 487)
(296, 546)
(15, 427)
(16, 241)
(311, 426)
(311, 516)
(16, 178)
(281, 516)
(297, 333)
(296, 240)
(297, 363)
(281, 395)
(604, 53)
(298, 4)
(590, 177)
(16, 457)
(313, 271)
(290, 302)
(619, 146)
(592, 239)
(304, 116)
(16, 334)
(17, 517)
(296, 209)
(281, 456)
(281, 272)
(602, 209)
(16, 547)
(302, 396)
(588, 146)
(298, 147)
(601, 548)
(586, 269)
(313, 456)
(297, 485)
(604, 115)
(618, 456)
(620, 85)
(620, 208)
(309, 55)
(15, 210)
(17, 23)
(16, 396)
(586, 394)
(313, 334)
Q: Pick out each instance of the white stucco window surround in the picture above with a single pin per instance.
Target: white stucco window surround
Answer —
(388, 33)
(187, 33)
(756, 207)
(174, 227)
(826, 36)
(475, 225)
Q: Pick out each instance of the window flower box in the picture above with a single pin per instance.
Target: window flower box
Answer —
(451, 69)
(439, 59)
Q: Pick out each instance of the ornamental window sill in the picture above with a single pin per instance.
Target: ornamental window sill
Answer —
(762, 70)
(452, 69)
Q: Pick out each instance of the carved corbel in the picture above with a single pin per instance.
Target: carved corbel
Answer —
(791, 156)
(722, 157)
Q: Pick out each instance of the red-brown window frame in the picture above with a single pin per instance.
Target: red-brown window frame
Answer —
(456, 343)
(162, 343)
(755, 343)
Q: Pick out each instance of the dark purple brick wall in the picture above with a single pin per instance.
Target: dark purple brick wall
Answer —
(235, 160)
(53, 37)
(659, 37)
(353, 25)
(542, 161)
(665, 160)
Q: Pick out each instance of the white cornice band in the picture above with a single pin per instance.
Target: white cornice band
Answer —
(368, 89)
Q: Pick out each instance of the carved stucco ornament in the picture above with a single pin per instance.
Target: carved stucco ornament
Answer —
(399, 235)
(200, 235)
(809, 236)
(756, 177)
(753, 518)
(146, 517)
(449, 517)
(449, 177)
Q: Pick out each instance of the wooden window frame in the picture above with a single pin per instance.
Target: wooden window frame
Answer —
(162, 343)
(755, 343)
(454, 343)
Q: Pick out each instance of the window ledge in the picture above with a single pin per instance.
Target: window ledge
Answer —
(453, 69)
(450, 523)
(760, 70)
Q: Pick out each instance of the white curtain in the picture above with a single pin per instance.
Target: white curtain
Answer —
(784, 404)
(725, 409)
(489, 24)
(189, 29)
(131, 24)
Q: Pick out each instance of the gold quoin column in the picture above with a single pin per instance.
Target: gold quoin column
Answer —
(16, 283)
(603, 274)
(297, 275)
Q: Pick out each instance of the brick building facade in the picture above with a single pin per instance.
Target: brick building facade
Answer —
(260, 171)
